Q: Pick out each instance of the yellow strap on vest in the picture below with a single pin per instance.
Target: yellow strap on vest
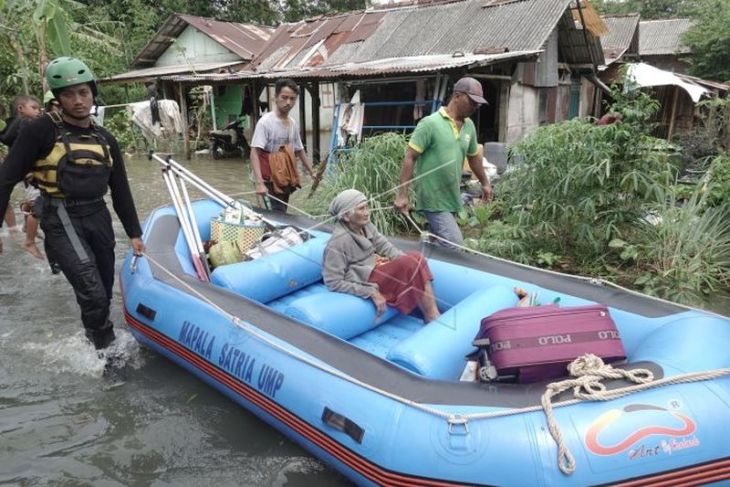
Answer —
(45, 172)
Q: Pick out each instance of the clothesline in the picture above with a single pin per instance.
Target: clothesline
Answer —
(119, 105)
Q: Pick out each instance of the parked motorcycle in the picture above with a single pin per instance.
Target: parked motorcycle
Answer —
(229, 141)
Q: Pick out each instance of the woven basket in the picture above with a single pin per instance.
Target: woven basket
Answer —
(245, 235)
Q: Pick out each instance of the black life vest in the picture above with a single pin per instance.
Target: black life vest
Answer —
(77, 168)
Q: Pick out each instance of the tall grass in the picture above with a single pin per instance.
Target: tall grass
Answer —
(686, 252)
(373, 168)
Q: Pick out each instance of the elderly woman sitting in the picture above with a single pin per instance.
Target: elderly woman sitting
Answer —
(359, 260)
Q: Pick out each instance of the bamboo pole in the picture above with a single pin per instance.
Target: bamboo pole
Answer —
(674, 112)
(316, 149)
(186, 127)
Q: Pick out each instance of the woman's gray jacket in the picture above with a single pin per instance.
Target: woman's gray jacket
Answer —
(349, 258)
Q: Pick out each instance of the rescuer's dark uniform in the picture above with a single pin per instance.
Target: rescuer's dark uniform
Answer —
(73, 166)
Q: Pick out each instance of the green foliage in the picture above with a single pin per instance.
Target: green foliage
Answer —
(582, 185)
(709, 40)
(648, 9)
(714, 122)
(718, 185)
(49, 16)
(477, 215)
(685, 251)
(373, 168)
(503, 239)
(300, 9)
(107, 35)
(123, 130)
(603, 201)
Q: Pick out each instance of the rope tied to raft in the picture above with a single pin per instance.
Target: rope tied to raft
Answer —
(592, 368)
(588, 370)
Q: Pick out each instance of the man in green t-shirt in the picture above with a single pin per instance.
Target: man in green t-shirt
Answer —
(435, 157)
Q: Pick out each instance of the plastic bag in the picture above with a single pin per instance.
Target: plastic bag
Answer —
(224, 252)
(275, 241)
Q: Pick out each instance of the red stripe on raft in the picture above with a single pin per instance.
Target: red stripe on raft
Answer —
(689, 476)
(353, 460)
(695, 475)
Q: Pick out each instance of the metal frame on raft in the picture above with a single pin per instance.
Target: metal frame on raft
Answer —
(175, 176)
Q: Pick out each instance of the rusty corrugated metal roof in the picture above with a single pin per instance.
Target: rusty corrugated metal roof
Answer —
(417, 38)
(409, 64)
(578, 46)
(244, 40)
(414, 30)
(145, 74)
(623, 31)
(663, 37)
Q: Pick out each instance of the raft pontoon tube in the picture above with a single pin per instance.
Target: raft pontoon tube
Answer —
(379, 399)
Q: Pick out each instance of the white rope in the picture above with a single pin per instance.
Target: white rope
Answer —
(246, 327)
(242, 193)
(452, 418)
(596, 281)
(589, 370)
(329, 218)
(270, 195)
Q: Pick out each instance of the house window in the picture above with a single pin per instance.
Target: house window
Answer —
(326, 95)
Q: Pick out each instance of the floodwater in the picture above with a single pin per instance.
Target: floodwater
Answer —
(62, 423)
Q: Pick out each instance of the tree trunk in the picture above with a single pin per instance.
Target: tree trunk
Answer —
(15, 42)
(42, 57)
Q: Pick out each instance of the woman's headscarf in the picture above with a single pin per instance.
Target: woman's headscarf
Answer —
(345, 202)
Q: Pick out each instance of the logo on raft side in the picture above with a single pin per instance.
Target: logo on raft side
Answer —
(640, 441)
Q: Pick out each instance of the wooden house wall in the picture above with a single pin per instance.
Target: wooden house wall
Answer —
(194, 46)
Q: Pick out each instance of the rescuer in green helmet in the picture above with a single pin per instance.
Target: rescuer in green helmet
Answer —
(74, 162)
(50, 104)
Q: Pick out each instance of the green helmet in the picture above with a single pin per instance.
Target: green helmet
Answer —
(48, 97)
(68, 71)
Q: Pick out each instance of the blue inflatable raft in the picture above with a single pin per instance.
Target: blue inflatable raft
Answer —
(380, 399)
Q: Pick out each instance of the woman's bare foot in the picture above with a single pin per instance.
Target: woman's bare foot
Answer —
(429, 317)
(32, 249)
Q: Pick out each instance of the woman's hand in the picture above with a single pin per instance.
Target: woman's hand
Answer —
(380, 260)
(379, 301)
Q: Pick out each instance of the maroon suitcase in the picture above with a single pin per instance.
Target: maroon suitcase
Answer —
(537, 343)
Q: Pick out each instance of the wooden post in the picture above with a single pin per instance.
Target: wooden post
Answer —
(212, 108)
(316, 149)
(503, 108)
(255, 94)
(674, 112)
(185, 121)
(303, 113)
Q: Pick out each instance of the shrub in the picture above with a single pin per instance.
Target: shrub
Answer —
(581, 185)
(718, 186)
(373, 168)
(685, 251)
(123, 129)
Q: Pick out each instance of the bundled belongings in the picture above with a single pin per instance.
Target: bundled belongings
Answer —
(223, 253)
(276, 241)
(232, 227)
(246, 234)
(530, 344)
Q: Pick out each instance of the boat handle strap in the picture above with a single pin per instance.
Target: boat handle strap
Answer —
(341, 423)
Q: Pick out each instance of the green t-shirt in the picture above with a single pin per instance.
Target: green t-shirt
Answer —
(443, 149)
